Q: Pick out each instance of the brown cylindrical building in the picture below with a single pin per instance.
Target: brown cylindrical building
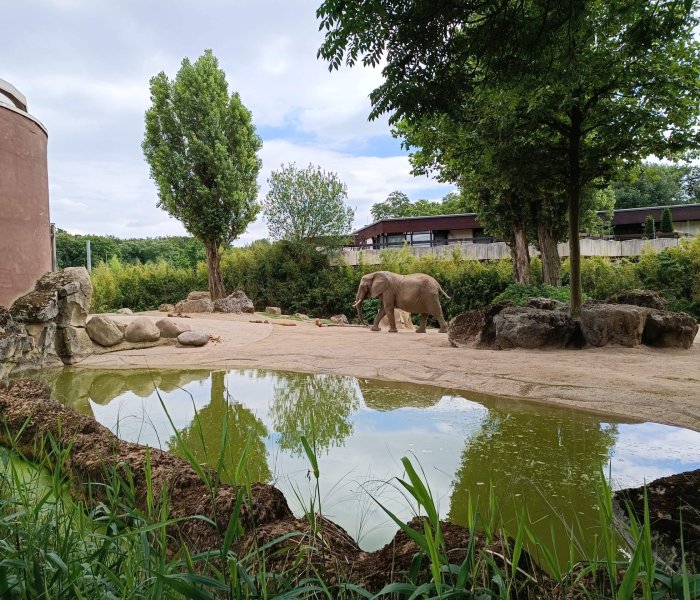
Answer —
(25, 236)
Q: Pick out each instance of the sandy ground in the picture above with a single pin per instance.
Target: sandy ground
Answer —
(644, 384)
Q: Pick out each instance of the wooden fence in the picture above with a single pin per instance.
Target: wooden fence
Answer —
(589, 247)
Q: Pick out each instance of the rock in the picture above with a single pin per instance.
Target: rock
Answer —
(302, 316)
(603, 324)
(275, 310)
(202, 305)
(340, 319)
(525, 327)
(104, 331)
(401, 318)
(35, 307)
(171, 329)
(74, 290)
(193, 338)
(166, 308)
(73, 344)
(125, 311)
(142, 329)
(198, 296)
(646, 298)
(669, 329)
(546, 304)
(237, 303)
(475, 328)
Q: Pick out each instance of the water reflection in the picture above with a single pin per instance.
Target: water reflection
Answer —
(544, 457)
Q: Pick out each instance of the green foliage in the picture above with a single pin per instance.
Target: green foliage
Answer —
(179, 251)
(666, 221)
(649, 227)
(519, 293)
(141, 287)
(307, 204)
(397, 204)
(202, 149)
(653, 184)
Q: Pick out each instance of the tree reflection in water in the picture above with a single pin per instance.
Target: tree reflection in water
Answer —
(550, 463)
(203, 437)
(326, 400)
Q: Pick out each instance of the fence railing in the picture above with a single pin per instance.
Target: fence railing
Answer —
(498, 250)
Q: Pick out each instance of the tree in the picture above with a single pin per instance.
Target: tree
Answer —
(653, 184)
(666, 221)
(607, 83)
(202, 149)
(398, 205)
(649, 227)
(307, 204)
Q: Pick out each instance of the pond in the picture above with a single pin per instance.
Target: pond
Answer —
(521, 453)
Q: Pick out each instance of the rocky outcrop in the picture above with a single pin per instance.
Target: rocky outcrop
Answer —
(141, 329)
(166, 308)
(193, 338)
(669, 330)
(476, 328)
(171, 329)
(645, 298)
(46, 327)
(125, 311)
(340, 319)
(196, 305)
(273, 310)
(546, 304)
(237, 303)
(525, 327)
(104, 331)
(199, 295)
(603, 324)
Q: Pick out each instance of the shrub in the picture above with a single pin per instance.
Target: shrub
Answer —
(649, 227)
(518, 293)
(666, 221)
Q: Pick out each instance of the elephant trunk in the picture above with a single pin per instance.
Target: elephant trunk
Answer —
(358, 305)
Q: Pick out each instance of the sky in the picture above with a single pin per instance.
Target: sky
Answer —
(85, 65)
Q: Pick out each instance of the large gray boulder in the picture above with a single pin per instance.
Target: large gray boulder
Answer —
(476, 328)
(199, 296)
(669, 330)
(546, 303)
(73, 344)
(525, 327)
(193, 338)
(104, 331)
(201, 305)
(645, 298)
(237, 303)
(603, 324)
(74, 291)
(35, 307)
(142, 329)
(171, 329)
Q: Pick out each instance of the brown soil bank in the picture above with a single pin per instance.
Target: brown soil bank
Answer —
(28, 417)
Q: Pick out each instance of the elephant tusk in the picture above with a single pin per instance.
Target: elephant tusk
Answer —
(357, 304)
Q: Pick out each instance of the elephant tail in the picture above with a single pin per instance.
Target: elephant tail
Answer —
(443, 291)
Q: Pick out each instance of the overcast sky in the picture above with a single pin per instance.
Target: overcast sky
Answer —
(84, 66)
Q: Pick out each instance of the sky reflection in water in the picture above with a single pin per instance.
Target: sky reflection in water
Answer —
(547, 457)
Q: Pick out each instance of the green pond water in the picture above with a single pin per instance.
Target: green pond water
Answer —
(545, 458)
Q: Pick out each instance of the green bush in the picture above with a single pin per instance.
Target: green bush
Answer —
(666, 221)
(518, 293)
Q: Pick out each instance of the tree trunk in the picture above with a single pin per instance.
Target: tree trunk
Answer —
(216, 279)
(574, 194)
(521, 256)
(549, 253)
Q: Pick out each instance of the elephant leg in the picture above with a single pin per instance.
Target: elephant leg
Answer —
(380, 314)
(441, 319)
(389, 308)
(423, 323)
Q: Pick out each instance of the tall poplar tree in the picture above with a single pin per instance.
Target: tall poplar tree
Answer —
(202, 148)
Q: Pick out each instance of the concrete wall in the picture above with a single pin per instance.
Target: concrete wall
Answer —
(25, 243)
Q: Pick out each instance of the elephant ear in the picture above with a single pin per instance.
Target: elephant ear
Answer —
(379, 285)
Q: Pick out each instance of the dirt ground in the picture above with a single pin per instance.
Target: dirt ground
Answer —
(645, 384)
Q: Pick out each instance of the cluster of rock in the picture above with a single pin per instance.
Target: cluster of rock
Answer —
(629, 319)
(108, 333)
(200, 302)
(46, 327)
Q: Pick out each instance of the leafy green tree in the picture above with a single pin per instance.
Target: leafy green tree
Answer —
(307, 204)
(652, 184)
(649, 227)
(603, 83)
(398, 205)
(202, 149)
(666, 225)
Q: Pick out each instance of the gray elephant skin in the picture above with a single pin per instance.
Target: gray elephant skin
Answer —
(416, 293)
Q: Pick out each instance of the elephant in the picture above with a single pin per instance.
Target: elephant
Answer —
(416, 293)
